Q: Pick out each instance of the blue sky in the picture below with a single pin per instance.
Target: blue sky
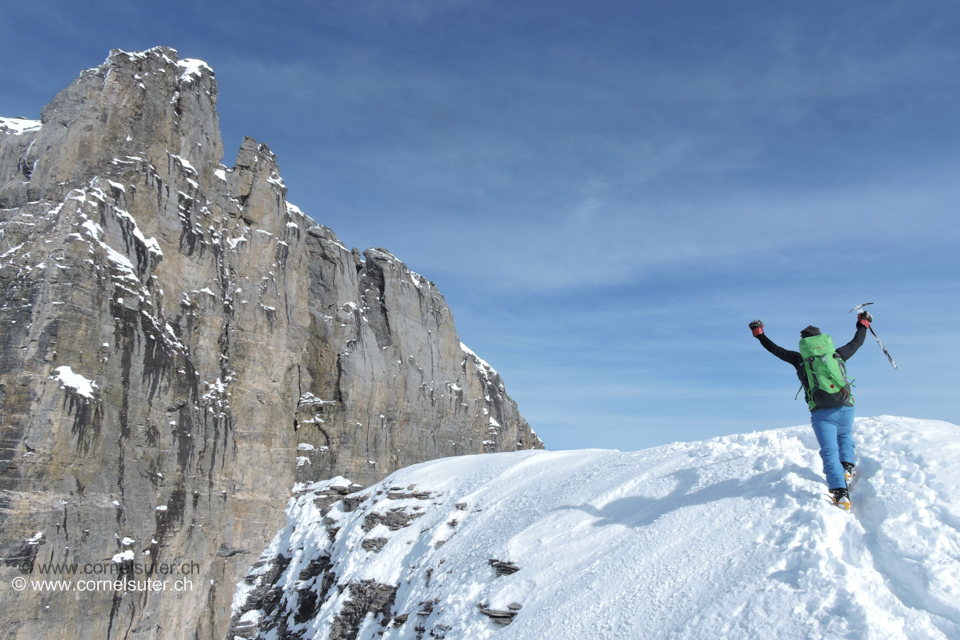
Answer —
(605, 192)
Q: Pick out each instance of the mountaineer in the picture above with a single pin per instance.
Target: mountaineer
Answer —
(822, 372)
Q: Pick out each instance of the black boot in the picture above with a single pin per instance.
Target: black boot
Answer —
(841, 498)
(848, 471)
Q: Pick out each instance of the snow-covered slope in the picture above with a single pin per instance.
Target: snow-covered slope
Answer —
(726, 538)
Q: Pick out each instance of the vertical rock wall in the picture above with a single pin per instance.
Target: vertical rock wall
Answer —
(179, 345)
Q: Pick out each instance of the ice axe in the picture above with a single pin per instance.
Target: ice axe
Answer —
(859, 310)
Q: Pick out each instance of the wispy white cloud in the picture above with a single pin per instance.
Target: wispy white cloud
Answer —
(598, 169)
(598, 240)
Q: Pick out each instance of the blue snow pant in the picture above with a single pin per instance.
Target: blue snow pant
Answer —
(834, 429)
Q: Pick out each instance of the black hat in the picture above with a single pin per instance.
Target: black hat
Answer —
(810, 331)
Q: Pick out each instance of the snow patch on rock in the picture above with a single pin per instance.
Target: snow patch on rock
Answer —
(74, 381)
(192, 69)
(18, 126)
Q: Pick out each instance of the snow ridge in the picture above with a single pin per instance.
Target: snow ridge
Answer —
(730, 537)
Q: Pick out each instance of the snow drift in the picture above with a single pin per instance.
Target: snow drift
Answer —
(729, 537)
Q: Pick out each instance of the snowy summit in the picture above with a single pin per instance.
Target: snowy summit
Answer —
(725, 538)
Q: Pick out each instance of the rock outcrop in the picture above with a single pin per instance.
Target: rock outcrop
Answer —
(354, 562)
(179, 345)
(298, 586)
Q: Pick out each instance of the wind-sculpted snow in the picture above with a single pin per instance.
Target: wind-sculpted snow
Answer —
(726, 538)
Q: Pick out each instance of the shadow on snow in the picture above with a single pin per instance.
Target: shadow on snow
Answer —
(640, 511)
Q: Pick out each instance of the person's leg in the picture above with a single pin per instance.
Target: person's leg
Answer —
(844, 422)
(826, 431)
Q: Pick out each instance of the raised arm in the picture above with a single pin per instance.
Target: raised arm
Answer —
(790, 357)
(847, 350)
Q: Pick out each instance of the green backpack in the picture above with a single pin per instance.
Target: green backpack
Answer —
(827, 386)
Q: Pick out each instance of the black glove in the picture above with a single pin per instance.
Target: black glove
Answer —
(757, 327)
(865, 319)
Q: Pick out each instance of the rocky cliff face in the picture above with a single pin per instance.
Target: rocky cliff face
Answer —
(179, 346)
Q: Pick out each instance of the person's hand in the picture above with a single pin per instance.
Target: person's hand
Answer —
(865, 319)
(757, 327)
